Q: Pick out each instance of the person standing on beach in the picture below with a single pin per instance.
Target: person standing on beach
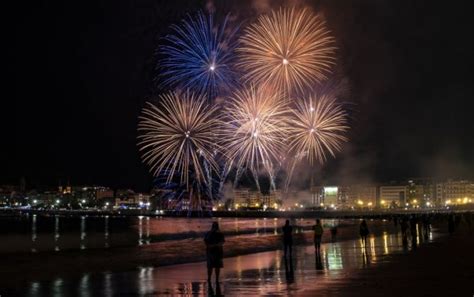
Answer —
(214, 241)
(287, 237)
(318, 234)
(364, 232)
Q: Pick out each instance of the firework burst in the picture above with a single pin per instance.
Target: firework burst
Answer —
(317, 126)
(177, 136)
(199, 55)
(290, 49)
(254, 130)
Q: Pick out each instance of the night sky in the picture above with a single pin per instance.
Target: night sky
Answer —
(78, 74)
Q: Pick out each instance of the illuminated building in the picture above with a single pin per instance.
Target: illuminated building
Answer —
(455, 192)
(94, 194)
(393, 196)
(330, 196)
(247, 199)
(420, 192)
(361, 196)
(138, 200)
(317, 193)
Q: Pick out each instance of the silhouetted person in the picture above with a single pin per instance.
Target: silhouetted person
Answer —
(214, 240)
(364, 232)
(318, 235)
(395, 221)
(287, 237)
(451, 224)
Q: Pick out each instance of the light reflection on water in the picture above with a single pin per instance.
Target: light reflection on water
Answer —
(267, 273)
(38, 233)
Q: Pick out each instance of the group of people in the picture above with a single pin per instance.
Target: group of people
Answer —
(214, 240)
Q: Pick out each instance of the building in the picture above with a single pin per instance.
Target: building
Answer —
(248, 199)
(330, 196)
(454, 192)
(393, 196)
(138, 200)
(317, 195)
(240, 198)
(420, 193)
(361, 196)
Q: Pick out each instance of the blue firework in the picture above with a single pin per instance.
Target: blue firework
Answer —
(199, 55)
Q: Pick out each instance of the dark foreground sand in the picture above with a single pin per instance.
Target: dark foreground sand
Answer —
(17, 269)
(443, 268)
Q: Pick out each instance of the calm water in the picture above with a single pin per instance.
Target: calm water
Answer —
(37, 233)
(259, 274)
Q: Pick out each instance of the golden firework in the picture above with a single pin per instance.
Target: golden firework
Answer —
(254, 130)
(290, 49)
(177, 136)
(317, 126)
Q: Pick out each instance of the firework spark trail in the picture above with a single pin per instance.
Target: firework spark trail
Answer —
(177, 136)
(254, 130)
(199, 55)
(317, 127)
(292, 161)
(290, 49)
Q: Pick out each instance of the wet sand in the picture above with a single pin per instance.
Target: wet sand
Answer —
(439, 266)
(49, 265)
(442, 268)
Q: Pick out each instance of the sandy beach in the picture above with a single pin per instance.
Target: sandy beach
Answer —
(439, 265)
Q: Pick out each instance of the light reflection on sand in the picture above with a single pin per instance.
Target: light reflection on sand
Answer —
(266, 273)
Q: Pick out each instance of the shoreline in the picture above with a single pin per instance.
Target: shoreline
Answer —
(48, 265)
(324, 214)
